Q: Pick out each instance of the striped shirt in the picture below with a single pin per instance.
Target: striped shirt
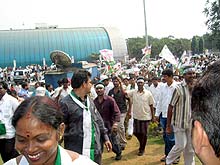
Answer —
(181, 102)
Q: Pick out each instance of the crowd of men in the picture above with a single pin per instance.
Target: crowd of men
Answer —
(111, 109)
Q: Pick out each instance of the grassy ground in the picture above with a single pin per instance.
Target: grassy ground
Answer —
(153, 152)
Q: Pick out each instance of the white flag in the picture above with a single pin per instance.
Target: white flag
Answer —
(167, 55)
(107, 54)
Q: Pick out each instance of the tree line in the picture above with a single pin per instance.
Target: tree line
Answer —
(196, 45)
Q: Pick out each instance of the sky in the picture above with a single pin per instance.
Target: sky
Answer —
(179, 18)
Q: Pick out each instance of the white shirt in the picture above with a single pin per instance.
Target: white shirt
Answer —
(141, 104)
(65, 160)
(8, 105)
(61, 92)
(165, 95)
(56, 92)
(108, 88)
(155, 92)
(65, 92)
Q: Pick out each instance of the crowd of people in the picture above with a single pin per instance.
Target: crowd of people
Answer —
(88, 115)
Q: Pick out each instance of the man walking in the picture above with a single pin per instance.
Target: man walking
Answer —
(164, 97)
(143, 113)
(110, 113)
(84, 126)
(120, 97)
(179, 111)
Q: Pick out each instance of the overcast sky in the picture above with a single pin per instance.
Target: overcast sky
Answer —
(180, 18)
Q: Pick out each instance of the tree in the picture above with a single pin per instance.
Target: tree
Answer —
(194, 45)
(176, 46)
(207, 41)
(201, 46)
(212, 12)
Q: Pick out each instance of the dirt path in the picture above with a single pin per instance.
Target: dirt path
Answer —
(153, 152)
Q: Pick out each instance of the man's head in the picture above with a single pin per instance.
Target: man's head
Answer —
(206, 111)
(140, 82)
(126, 81)
(104, 79)
(3, 88)
(81, 79)
(65, 83)
(25, 86)
(132, 81)
(189, 73)
(116, 81)
(167, 75)
(100, 88)
(155, 81)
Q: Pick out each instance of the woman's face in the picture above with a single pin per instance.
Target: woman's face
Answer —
(36, 141)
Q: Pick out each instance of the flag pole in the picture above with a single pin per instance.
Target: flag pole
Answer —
(145, 22)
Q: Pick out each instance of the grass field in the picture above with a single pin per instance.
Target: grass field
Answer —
(153, 152)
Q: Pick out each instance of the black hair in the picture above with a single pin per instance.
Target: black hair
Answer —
(116, 78)
(155, 78)
(65, 80)
(59, 82)
(4, 85)
(24, 84)
(206, 104)
(43, 108)
(167, 72)
(79, 77)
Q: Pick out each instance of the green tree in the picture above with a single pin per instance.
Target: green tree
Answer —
(208, 41)
(201, 45)
(212, 12)
(194, 45)
(176, 46)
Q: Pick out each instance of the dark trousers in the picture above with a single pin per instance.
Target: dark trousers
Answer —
(169, 139)
(7, 149)
(140, 131)
(114, 139)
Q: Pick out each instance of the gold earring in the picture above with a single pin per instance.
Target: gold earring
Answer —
(61, 137)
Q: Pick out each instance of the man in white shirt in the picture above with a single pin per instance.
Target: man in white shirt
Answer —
(108, 84)
(63, 91)
(8, 105)
(166, 91)
(155, 90)
(142, 112)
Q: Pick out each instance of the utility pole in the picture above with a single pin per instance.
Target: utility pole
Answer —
(145, 21)
(219, 7)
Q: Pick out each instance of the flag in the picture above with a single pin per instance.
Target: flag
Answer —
(147, 52)
(167, 55)
(107, 54)
(108, 60)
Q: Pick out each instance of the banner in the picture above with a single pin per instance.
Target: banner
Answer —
(106, 57)
(147, 52)
(107, 54)
(167, 55)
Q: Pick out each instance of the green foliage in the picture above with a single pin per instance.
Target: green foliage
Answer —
(195, 45)
(212, 12)
(153, 129)
(201, 45)
(176, 46)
